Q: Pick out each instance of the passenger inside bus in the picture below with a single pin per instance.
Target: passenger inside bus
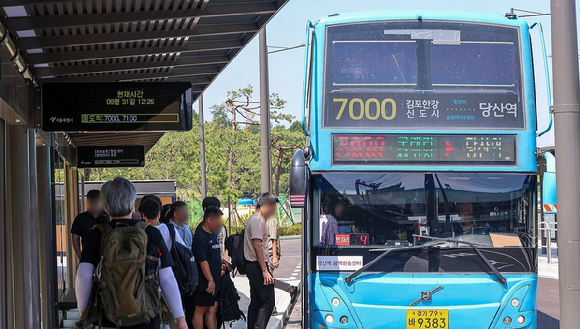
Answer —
(332, 209)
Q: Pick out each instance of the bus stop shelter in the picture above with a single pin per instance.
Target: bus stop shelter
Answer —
(87, 41)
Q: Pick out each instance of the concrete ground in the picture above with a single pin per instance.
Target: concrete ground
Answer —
(288, 271)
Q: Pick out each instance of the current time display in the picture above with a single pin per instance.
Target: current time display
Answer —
(116, 106)
(435, 149)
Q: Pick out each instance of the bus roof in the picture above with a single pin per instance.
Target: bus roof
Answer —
(423, 14)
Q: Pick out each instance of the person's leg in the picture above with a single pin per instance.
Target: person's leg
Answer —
(266, 307)
(198, 316)
(253, 273)
(211, 317)
(189, 308)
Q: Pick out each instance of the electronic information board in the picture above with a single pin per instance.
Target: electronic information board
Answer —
(380, 110)
(110, 156)
(116, 106)
(431, 149)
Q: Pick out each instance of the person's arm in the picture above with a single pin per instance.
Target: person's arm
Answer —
(275, 261)
(170, 290)
(76, 242)
(83, 285)
(268, 279)
(207, 273)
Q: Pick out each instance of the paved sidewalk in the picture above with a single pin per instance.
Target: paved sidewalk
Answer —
(241, 282)
(548, 270)
(282, 303)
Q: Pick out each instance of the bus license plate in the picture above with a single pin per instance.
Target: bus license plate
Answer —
(427, 319)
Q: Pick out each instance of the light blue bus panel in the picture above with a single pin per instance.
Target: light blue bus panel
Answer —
(406, 90)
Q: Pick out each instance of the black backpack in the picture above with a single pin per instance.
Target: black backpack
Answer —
(235, 246)
(184, 265)
(230, 309)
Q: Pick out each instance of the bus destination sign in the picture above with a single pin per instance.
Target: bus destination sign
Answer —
(110, 156)
(431, 149)
(429, 111)
(116, 106)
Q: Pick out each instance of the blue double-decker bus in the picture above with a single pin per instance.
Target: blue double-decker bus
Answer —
(418, 183)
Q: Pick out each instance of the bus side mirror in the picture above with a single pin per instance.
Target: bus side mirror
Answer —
(298, 180)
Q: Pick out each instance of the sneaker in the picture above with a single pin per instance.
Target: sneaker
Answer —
(294, 294)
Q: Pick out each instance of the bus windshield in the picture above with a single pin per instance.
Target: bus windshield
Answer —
(391, 209)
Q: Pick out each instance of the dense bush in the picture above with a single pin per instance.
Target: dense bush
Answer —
(284, 230)
(295, 229)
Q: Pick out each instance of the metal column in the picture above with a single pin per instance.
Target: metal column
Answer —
(47, 238)
(265, 155)
(26, 275)
(202, 147)
(4, 278)
(33, 227)
(567, 128)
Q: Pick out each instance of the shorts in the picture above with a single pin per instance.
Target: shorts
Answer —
(203, 298)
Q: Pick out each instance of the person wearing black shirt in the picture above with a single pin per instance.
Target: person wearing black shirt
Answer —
(206, 249)
(85, 221)
(119, 200)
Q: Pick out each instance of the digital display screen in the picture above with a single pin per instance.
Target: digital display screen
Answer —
(116, 106)
(110, 156)
(411, 74)
(351, 239)
(431, 149)
(381, 110)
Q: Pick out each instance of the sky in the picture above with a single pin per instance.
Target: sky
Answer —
(288, 28)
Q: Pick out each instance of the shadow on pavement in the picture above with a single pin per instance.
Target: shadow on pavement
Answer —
(546, 321)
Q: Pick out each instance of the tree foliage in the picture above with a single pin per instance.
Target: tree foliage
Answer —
(232, 151)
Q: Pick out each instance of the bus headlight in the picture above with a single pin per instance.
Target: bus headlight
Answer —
(521, 319)
(329, 318)
(344, 320)
(507, 320)
(515, 302)
(335, 302)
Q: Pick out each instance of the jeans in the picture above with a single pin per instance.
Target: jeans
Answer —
(261, 297)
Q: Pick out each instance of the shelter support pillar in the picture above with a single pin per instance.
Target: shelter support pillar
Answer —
(265, 155)
(24, 230)
(47, 238)
(567, 128)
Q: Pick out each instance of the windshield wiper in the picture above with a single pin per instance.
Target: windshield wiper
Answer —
(349, 278)
(475, 248)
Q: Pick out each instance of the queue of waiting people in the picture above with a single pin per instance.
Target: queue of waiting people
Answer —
(125, 262)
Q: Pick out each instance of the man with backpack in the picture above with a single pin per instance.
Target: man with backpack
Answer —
(207, 252)
(257, 258)
(275, 253)
(128, 275)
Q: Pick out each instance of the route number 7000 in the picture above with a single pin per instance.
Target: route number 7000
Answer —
(357, 108)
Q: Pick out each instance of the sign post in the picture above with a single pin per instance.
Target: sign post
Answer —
(567, 128)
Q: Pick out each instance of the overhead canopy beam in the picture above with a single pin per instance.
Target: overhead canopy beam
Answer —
(175, 73)
(85, 39)
(109, 67)
(51, 22)
(7, 3)
(88, 54)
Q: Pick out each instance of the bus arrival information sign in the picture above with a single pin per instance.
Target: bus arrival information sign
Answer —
(111, 156)
(116, 106)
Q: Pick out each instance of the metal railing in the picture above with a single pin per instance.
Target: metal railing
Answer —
(547, 227)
